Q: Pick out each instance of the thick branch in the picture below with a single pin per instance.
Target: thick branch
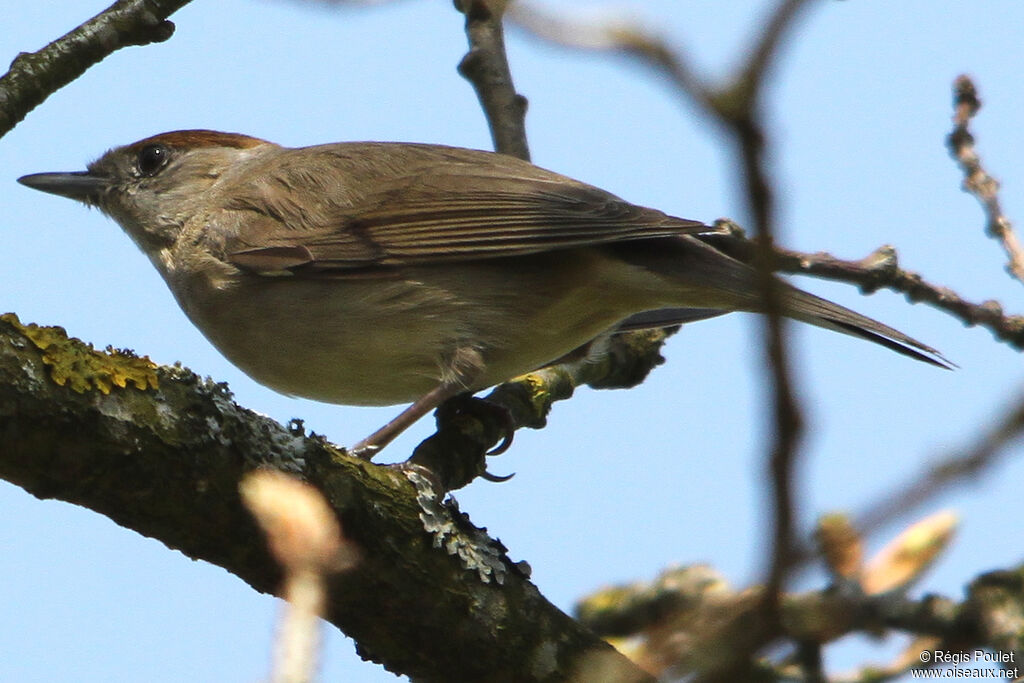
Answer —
(160, 451)
(35, 76)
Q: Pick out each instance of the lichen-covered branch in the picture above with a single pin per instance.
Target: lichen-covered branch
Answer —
(34, 76)
(486, 67)
(160, 451)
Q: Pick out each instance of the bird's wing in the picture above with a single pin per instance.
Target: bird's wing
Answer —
(452, 205)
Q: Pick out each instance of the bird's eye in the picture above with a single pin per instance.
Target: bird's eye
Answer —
(152, 158)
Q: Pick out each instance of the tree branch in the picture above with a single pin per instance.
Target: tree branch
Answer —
(690, 619)
(486, 67)
(737, 108)
(977, 181)
(35, 76)
(160, 451)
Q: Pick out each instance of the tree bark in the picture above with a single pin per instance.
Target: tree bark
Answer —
(161, 451)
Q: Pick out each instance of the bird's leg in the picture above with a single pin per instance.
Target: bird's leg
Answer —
(459, 368)
(371, 445)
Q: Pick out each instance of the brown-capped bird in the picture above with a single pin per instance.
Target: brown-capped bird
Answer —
(375, 273)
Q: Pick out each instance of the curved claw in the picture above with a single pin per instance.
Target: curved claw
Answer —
(497, 479)
(510, 430)
(506, 440)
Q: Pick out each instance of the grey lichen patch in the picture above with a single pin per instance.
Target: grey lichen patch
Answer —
(474, 548)
(544, 660)
(80, 367)
(276, 445)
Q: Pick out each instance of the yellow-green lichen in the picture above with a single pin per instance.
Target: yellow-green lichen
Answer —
(538, 386)
(79, 366)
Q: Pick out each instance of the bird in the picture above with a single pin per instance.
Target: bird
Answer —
(383, 273)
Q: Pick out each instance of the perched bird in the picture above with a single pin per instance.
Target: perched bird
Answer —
(375, 273)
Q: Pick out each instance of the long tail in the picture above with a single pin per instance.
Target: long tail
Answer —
(710, 280)
(808, 308)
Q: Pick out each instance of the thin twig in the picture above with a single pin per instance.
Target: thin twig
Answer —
(967, 464)
(955, 468)
(739, 108)
(486, 67)
(733, 103)
(35, 76)
(785, 407)
(977, 181)
(620, 36)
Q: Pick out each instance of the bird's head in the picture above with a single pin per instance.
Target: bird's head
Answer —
(151, 187)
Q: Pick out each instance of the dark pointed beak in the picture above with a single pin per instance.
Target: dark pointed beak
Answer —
(81, 186)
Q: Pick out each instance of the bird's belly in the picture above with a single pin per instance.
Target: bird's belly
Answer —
(304, 339)
(383, 368)
(382, 342)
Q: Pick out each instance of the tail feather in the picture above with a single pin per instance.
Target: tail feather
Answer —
(705, 278)
(806, 307)
(931, 356)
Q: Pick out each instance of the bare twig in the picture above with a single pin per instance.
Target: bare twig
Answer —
(977, 181)
(735, 102)
(623, 37)
(486, 67)
(35, 76)
(739, 108)
(956, 468)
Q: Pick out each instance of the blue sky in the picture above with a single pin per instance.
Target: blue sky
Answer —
(621, 483)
